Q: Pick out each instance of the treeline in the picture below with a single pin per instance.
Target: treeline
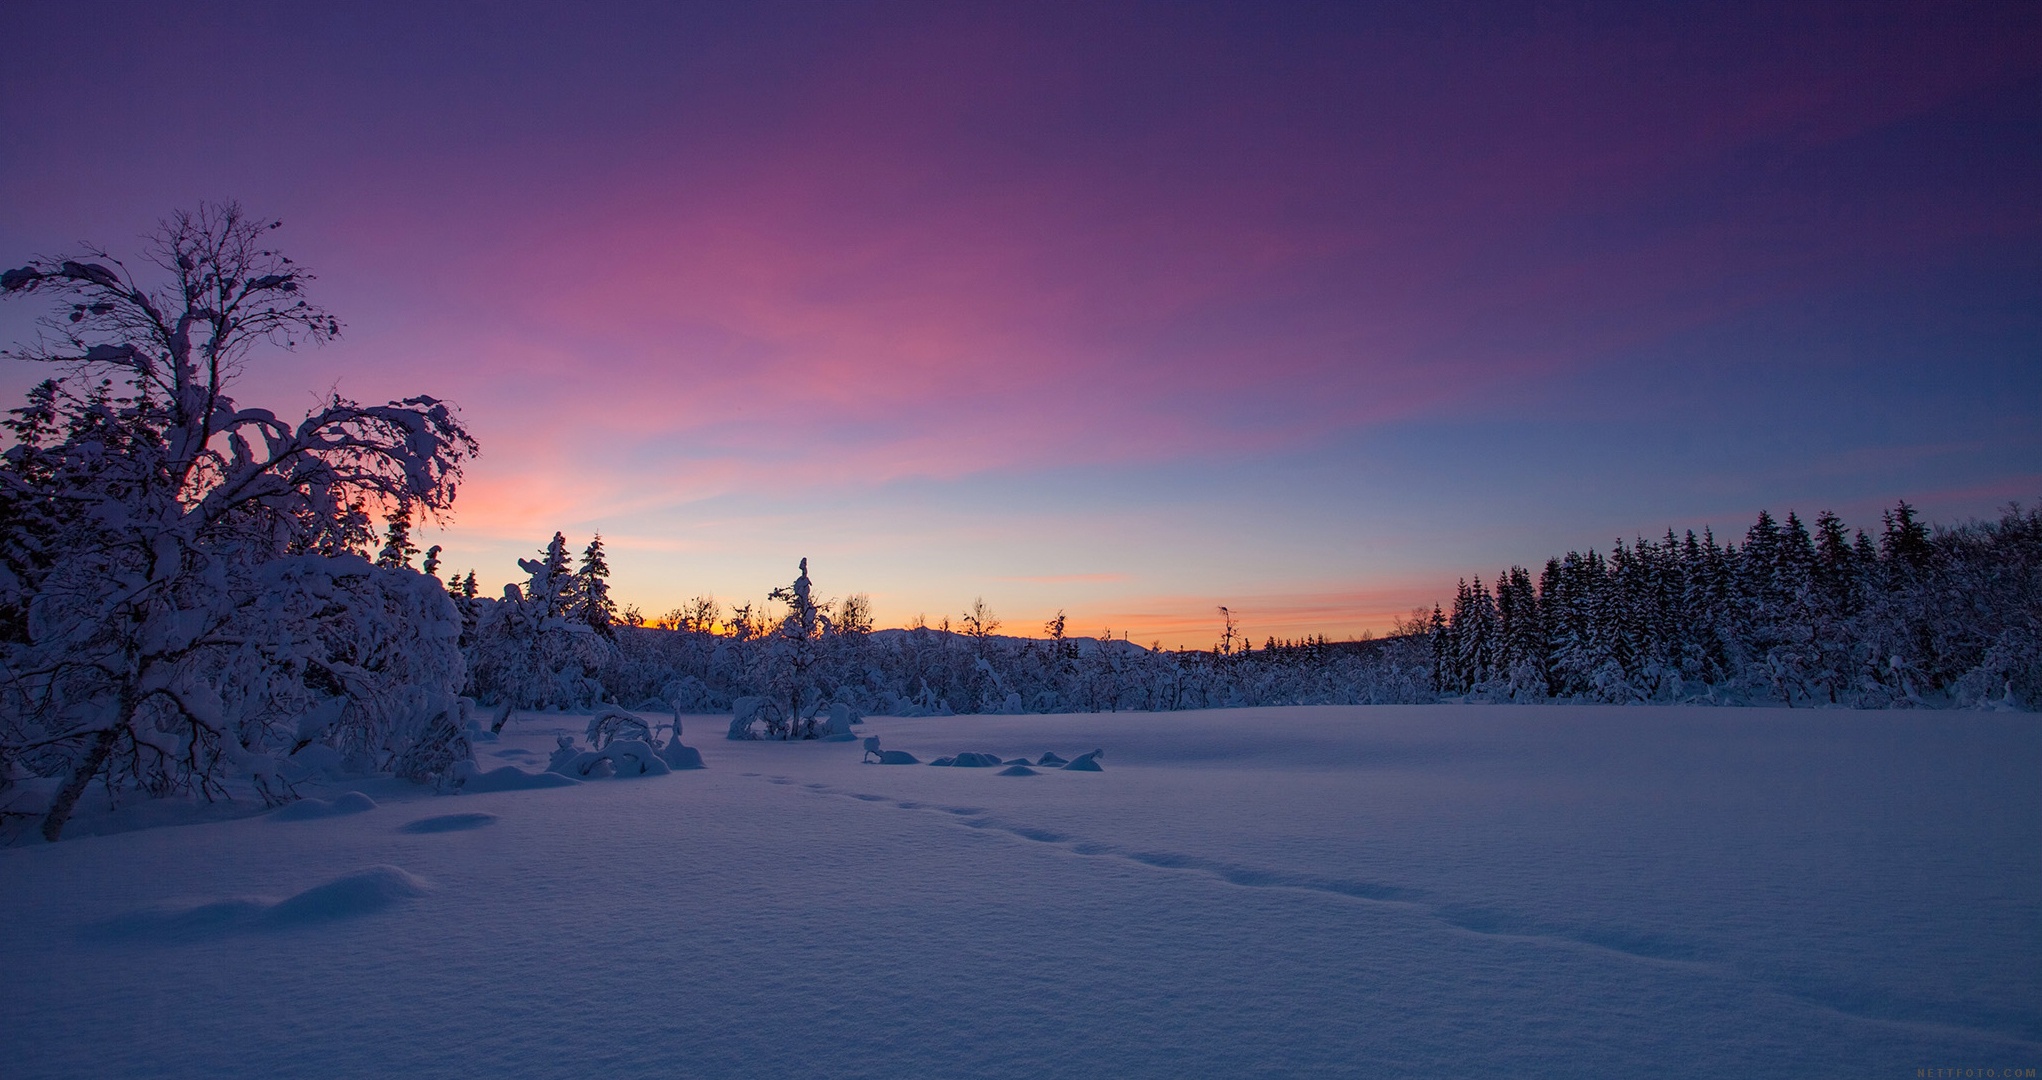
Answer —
(1919, 617)
(1793, 615)
(545, 644)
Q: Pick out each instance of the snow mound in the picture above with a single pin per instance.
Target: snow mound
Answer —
(898, 757)
(353, 894)
(512, 778)
(1016, 766)
(1086, 763)
(680, 758)
(354, 802)
(449, 823)
(361, 893)
(842, 716)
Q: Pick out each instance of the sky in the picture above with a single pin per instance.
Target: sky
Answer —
(1126, 310)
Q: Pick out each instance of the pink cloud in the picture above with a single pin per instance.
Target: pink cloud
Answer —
(879, 270)
(982, 239)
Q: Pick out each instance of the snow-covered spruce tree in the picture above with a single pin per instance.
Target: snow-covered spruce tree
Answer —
(794, 658)
(589, 600)
(1060, 666)
(182, 587)
(1522, 649)
(397, 546)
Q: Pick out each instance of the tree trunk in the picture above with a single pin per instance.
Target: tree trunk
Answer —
(81, 775)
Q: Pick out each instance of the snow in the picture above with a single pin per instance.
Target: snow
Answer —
(307, 809)
(449, 823)
(512, 778)
(347, 896)
(1483, 890)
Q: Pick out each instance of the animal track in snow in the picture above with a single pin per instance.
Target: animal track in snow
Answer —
(973, 817)
(1640, 945)
(1629, 944)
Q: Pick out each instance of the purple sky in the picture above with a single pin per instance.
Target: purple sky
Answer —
(1128, 310)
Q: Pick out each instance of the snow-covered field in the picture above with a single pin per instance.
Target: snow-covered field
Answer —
(1465, 890)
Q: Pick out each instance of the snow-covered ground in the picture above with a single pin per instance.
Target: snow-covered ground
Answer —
(1475, 891)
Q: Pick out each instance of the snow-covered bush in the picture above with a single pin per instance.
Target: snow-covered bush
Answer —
(610, 724)
(748, 715)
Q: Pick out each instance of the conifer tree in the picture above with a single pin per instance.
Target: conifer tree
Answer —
(1522, 654)
(1906, 540)
(465, 601)
(1474, 632)
(797, 657)
(397, 546)
(1443, 653)
(551, 585)
(1835, 573)
(590, 602)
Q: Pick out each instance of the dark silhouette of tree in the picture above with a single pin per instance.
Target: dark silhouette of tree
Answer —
(589, 601)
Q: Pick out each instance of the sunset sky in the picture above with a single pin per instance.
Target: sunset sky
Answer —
(1129, 310)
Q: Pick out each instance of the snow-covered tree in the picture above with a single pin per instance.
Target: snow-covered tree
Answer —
(397, 546)
(535, 648)
(166, 548)
(796, 656)
(551, 585)
(589, 593)
(854, 616)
